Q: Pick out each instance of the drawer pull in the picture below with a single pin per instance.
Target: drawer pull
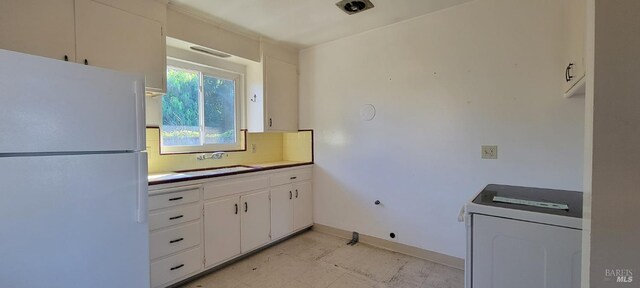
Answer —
(177, 267)
(175, 241)
(176, 199)
(293, 178)
(176, 217)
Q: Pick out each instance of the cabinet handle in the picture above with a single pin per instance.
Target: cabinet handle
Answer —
(176, 199)
(176, 241)
(176, 217)
(270, 122)
(236, 208)
(296, 193)
(86, 62)
(567, 72)
(290, 195)
(177, 267)
(293, 178)
(66, 58)
(246, 207)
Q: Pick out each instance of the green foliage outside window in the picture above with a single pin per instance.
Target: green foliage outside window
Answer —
(180, 109)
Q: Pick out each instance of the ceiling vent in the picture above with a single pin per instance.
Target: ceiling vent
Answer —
(210, 51)
(352, 7)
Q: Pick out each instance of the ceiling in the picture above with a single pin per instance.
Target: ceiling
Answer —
(305, 23)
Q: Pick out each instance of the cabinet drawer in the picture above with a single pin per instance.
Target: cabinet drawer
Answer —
(165, 242)
(175, 267)
(174, 216)
(178, 197)
(291, 176)
(234, 186)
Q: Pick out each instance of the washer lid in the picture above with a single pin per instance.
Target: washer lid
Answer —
(539, 200)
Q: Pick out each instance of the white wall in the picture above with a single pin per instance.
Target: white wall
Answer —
(485, 72)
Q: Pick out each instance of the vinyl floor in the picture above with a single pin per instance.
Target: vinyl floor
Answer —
(318, 260)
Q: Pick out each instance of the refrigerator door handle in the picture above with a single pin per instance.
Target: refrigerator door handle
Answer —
(138, 87)
(143, 199)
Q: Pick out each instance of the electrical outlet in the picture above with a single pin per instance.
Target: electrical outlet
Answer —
(253, 148)
(489, 152)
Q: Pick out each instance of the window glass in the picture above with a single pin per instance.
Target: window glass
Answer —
(180, 108)
(219, 110)
(200, 111)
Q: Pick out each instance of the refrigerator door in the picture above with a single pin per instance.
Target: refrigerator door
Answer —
(55, 106)
(74, 221)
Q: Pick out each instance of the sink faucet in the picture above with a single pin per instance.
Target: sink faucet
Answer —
(214, 155)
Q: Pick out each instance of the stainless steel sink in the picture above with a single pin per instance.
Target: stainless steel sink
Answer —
(216, 171)
(198, 173)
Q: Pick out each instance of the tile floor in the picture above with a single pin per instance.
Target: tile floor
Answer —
(317, 260)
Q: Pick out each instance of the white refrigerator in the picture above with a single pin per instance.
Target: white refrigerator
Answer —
(73, 176)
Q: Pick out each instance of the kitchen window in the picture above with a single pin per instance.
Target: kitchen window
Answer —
(201, 110)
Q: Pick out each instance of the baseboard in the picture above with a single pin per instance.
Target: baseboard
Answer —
(432, 256)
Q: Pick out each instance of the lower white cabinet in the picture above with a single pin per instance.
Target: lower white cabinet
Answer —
(202, 224)
(256, 227)
(291, 208)
(302, 205)
(281, 211)
(175, 234)
(221, 230)
(175, 267)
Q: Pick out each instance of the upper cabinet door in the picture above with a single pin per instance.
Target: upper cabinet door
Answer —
(112, 38)
(281, 95)
(43, 28)
(574, 36)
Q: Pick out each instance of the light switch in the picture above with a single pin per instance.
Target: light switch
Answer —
(489, 152)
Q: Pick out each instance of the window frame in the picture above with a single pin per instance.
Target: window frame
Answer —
(206, 70)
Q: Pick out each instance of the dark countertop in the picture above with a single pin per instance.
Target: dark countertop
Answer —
(197, 174)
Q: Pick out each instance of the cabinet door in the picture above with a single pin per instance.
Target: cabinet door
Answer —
(281, 95)
(255, 214)
(43, 28)
(281, 211)
(303, 205)
(111, 38)
(575, 34)
(221, 230)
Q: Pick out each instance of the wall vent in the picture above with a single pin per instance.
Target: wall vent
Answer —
(354, 6)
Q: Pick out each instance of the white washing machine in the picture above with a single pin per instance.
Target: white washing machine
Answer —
(523, 237)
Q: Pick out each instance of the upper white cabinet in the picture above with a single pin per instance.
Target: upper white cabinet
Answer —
(281, 94)
(115, 39)
(574, 41)
(87, 32)
(273, 91)
(43, 28)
